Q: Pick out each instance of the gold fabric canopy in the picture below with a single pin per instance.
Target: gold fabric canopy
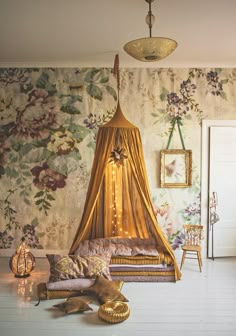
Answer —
(118, 200)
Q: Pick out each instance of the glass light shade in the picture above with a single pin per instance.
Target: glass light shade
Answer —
(150, 49)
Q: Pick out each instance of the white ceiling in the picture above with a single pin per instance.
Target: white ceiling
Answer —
(90, 32)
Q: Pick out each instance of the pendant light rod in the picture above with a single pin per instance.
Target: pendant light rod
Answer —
(149, 17)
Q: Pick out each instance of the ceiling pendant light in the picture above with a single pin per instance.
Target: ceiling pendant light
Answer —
(150, 49)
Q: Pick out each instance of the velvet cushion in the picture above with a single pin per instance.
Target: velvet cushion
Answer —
(74, 305)
(65, 267)
(105, 290)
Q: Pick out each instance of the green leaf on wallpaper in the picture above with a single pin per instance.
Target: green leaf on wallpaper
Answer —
(42, 81)
(70, 109)
(223, 95)
(91, 144)
(11, 172)
(111, 91)
(39, 194)
(37, 155)
(104, 80)
(65, 164)
(35, 222)
(50, 197)
(154, 114)
(91, 74)
(94, 91)
(39, 201)
(26, 173)
(79, 132)
(76, 98)
(224, 81)
(2, 170)
(25, 149)
(164, 93)
(40, 235)
(27, 201)
(18, 181)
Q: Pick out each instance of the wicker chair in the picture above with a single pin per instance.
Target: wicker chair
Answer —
(193, 234)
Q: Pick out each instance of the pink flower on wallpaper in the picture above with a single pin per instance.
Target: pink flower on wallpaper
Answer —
(166, 219)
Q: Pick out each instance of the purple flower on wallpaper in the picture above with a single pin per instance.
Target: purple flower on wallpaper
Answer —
(30, 236)
(192, 210)
(187, 89)
(47, 178)
(178, 241)
(175, 106)
(91, 122)
(214, 85)
(5, 240)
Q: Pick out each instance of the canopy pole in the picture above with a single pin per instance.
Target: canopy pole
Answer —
(116, 71)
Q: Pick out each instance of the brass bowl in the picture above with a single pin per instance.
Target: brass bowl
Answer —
(114, 311)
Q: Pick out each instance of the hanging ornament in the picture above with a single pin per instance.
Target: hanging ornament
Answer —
(118, 156)
(22, 262)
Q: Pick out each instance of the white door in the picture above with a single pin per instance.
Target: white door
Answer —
(222, 180)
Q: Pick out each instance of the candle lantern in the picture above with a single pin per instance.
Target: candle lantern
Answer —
(22, 262)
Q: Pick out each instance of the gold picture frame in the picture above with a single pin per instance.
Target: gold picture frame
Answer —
(176, 168)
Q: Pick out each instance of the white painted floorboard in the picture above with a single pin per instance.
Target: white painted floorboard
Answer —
(199, 304)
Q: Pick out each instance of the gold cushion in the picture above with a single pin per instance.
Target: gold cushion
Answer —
(74, 305)
(105, 290)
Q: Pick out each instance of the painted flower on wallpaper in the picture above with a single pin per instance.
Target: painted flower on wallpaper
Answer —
(192, 212)
(5, 240)
(14, 76)
(187, 90)
(7, 110)
(35, 114)
(177, 241)
(175, 106)
(215, 86)
(93, 121)
(46, 178)
(29, 234)
(166, 219)
(62, 143)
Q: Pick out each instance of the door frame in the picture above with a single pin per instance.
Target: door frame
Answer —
(206, 124)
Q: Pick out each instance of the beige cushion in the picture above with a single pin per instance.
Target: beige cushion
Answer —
(65, 267)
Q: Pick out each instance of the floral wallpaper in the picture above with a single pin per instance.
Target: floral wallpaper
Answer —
(48, 123)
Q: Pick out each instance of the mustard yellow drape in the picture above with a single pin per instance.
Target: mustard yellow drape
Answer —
(118, 200)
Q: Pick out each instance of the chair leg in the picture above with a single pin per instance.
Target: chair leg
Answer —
(183, 258)
(199, 260)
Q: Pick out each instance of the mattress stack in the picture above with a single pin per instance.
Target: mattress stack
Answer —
(140, 269)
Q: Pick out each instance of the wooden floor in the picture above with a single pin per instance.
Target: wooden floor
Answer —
(199, 304)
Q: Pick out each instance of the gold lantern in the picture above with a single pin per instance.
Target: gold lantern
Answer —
(22, 262)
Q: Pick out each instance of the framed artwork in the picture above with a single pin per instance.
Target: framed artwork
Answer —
(176, 168)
